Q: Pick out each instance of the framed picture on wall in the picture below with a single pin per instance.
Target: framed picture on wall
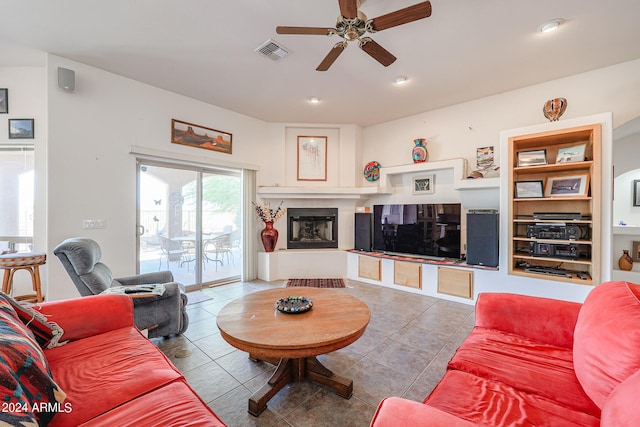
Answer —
(199, 136)
(636, 192)
(21, 129)
(312, 158)
(4, 101)
(423, 184)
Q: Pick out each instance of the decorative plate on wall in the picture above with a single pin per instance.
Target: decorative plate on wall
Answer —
(372, 171)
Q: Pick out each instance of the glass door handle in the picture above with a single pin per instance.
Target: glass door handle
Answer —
(140, 230)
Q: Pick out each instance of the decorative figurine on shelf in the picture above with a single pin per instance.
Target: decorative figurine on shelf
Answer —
(419, 152)
(554, 108)
(269, 235)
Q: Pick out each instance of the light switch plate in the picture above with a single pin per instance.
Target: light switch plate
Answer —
(94, 224)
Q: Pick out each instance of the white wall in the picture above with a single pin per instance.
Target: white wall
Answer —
(91, 174)
(457, 131)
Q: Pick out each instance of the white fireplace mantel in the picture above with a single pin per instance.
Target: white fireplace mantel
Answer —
(315, 192)
(383, 186)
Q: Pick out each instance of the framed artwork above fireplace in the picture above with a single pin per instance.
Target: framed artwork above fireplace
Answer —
(312, 158)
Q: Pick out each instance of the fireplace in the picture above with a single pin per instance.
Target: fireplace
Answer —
(312, 228)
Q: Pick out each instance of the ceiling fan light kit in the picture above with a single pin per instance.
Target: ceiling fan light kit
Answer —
(352, 25)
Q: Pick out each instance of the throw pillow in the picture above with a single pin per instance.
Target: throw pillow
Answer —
(47, 334)
(607, 339)
(27, 390)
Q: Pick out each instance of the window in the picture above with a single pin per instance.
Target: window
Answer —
(16, 196)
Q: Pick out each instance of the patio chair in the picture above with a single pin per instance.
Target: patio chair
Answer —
(171, 250)
(162, 314)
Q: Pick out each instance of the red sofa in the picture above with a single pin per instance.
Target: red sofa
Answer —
(538, 362)
(111, 373)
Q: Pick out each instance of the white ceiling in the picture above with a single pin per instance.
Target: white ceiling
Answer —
(204, 49)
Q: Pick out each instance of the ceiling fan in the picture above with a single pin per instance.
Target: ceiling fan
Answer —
(352, 25)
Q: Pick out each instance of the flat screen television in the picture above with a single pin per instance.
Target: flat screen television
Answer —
(425, 230)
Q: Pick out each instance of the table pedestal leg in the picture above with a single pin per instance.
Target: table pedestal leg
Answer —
(290, 370)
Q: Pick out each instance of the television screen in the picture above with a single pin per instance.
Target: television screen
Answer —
(429, 230)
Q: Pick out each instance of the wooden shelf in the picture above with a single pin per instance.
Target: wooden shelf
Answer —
(522, 209)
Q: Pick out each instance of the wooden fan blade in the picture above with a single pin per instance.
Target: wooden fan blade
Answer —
(348, 8)
(331, 56)
(304, 30)
(378, 53)
(402, 16)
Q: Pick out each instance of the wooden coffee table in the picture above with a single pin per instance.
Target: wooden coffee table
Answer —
(292, 341)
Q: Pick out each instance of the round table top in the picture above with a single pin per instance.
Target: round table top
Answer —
(253, 324)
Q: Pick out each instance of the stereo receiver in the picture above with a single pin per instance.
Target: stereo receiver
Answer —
(558, 231)
(539, 249)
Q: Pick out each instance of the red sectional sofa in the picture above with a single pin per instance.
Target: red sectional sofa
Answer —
(538, 362)
(111, 374)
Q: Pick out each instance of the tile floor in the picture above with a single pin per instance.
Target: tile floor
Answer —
(403, 352)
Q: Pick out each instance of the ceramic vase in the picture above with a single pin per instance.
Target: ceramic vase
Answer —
(625, 262)
(419, 152)
(269, 236)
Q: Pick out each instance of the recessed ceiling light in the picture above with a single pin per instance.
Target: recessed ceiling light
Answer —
(551, 25)
(400, 80)
(313, 99)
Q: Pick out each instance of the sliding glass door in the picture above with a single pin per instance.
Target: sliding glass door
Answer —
(189, 222)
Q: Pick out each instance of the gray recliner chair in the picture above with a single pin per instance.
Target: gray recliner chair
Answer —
(162, 315)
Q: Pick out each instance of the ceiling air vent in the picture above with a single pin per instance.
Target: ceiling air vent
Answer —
(272, 50)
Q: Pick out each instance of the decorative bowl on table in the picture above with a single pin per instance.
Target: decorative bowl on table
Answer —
(294, 305)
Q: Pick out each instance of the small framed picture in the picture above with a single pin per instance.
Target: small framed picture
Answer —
(636, 192)
(21, 129)
(532, 158)
(567, 186)
(528, 189)
(4, 101)
(571, 154)
(423, 184)
(635, 252)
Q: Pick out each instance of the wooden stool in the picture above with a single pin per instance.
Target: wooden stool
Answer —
(30, 261)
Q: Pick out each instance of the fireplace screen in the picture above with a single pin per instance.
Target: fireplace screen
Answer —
(312, 228)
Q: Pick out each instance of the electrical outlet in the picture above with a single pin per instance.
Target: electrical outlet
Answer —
(94, 224)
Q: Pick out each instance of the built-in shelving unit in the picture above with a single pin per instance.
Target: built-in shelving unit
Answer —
(561, 243)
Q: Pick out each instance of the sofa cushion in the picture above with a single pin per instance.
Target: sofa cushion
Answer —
(46, 333)
(106, 370)
(621, 408)
(607, 338)
(179, 406)
(27, 389)
(492, 403)
(524, 364)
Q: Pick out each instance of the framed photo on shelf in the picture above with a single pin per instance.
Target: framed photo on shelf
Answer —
(423, 184)
(199, 136)
(571, 154)
(567, 186)
(636, 192)
(635, 252)
(21, 129)
(4, 101)
(312, 158)
(532, 158)
(528, 189)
